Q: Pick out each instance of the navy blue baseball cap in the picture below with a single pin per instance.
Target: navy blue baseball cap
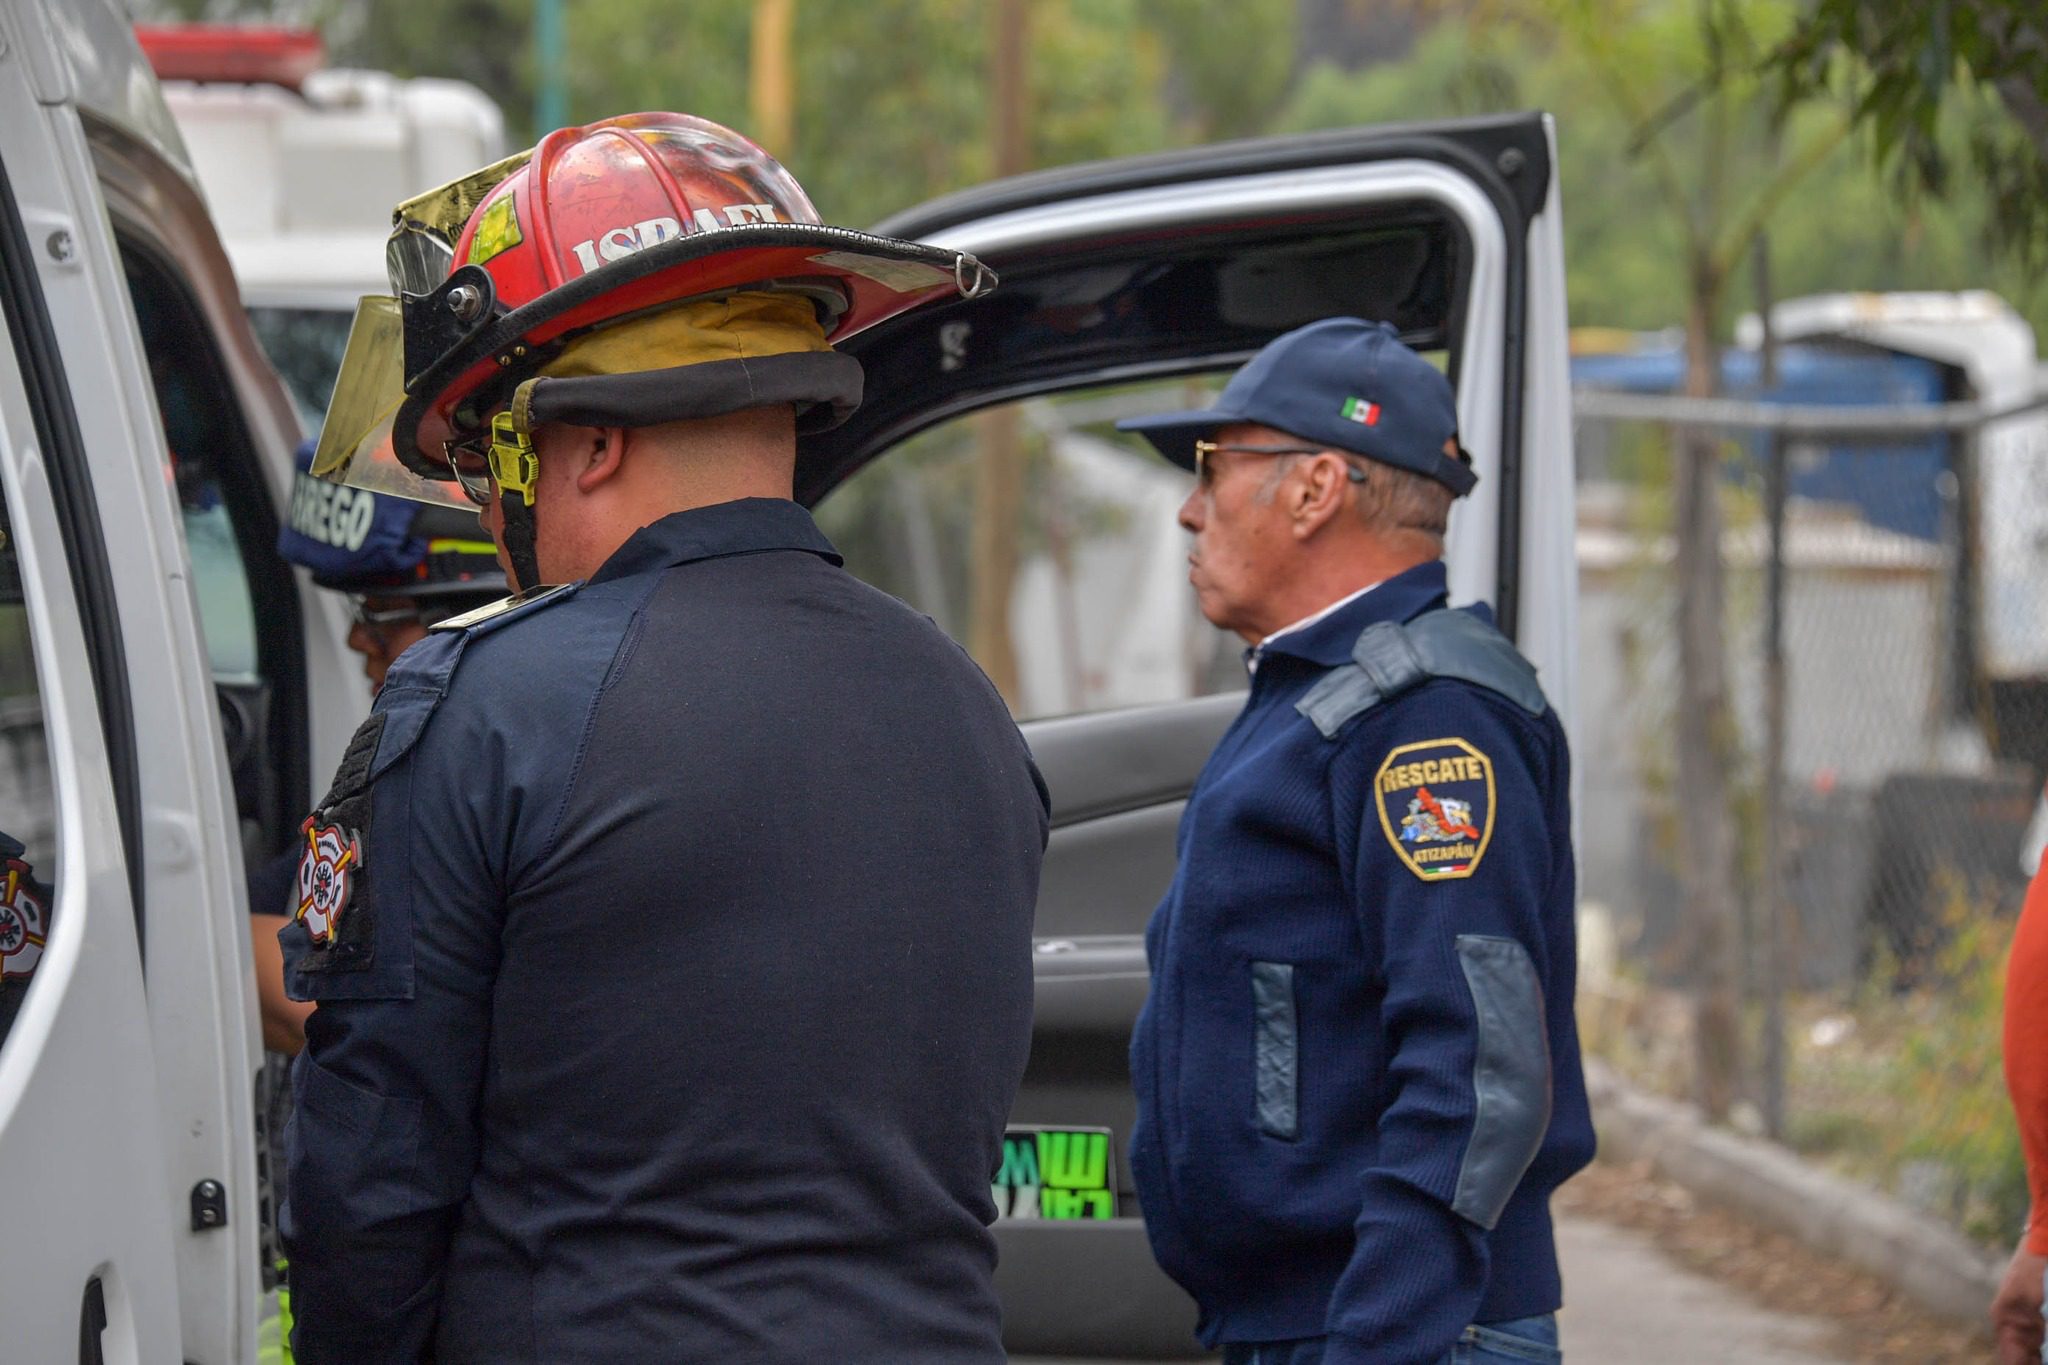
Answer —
(355, 541)
(1344, 383)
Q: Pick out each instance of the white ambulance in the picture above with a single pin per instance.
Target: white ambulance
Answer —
(160, 724)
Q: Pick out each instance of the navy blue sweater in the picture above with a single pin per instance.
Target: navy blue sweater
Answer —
(1312, 1150)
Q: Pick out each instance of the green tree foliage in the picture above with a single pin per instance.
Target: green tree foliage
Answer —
(1913, 72)
(892, 99)
(1230, 67)
(1841, 227)
(893, 107)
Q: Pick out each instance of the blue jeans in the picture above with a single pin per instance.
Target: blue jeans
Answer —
(1520, 1342)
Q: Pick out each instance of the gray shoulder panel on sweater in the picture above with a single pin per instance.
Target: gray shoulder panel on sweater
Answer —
(1390, 658)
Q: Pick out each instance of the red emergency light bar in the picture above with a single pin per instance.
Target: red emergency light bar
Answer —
(231, 52)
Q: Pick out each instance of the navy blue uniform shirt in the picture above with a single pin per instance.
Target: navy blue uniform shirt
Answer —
(1366, 935)
(672, 943)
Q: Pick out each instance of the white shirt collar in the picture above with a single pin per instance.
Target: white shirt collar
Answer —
(1258, 650)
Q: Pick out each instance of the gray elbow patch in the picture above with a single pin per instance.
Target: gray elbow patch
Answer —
(1510, 1075)
(1276, 1050)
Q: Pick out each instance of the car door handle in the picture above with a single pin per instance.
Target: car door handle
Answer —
(1088, 984)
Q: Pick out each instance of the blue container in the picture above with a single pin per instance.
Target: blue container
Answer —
(1896, 485)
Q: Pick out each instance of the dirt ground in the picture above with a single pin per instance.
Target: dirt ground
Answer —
(1872, 1322)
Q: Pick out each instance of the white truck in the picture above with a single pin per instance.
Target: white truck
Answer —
(158, 729)
(301, 164)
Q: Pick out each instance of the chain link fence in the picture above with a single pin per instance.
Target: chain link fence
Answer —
(1900, 583)
(1912, 760)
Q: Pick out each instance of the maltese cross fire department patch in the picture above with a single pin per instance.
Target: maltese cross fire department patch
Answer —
(1436, 806)
(24, 921)
(326, 869)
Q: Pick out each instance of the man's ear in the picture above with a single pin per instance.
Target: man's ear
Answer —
(600, 456)
(1317, 494)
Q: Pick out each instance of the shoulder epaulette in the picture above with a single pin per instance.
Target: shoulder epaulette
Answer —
(1391, 658)
(495, 615)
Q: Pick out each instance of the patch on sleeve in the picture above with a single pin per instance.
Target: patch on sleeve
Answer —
(327, 872)
(336, 907)
(24, 920)
(1436, 807)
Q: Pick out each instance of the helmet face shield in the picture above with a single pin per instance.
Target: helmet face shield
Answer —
(355, 439)
(417, 258)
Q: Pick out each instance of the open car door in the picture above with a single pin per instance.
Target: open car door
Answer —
(1046, 543)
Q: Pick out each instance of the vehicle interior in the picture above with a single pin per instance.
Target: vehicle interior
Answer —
(1198, 300)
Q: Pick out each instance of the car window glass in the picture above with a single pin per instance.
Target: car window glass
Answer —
(221, 581)
(230, 529)
(28, 812)
(192, 416)
(305, 344)
(1046, 542)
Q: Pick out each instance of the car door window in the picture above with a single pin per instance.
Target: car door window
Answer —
(305, 344)
(1064, 575)
(231, 534)
(190, 419)
(28, 810)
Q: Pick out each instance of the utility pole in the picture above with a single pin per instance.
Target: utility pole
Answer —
(1774, 907)
(1703, 730)
(999, 476)
(551, 96)
(774, 109)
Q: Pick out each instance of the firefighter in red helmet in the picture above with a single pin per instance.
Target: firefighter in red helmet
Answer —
(669, 922)
(643, 270)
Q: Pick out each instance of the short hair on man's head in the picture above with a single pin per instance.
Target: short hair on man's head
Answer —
(1276, 474)
(1393, 500)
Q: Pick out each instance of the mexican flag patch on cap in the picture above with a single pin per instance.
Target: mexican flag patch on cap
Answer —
(1364, 413)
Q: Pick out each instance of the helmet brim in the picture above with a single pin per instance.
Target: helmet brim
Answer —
(879, 277)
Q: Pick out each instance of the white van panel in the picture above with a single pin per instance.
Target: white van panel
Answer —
(89, 1195)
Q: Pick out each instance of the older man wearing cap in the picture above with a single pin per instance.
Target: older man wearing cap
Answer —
(1357, 1071)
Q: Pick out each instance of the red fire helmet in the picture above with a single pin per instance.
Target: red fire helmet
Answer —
(500, 272)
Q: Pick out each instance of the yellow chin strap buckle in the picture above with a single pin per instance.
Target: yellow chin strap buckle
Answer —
(513, 462)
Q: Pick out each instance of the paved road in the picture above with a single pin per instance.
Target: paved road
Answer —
(1630, 1303)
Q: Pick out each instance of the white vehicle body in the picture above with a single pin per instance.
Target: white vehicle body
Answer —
(181, 712)
(302, 183)
(1979, 334)
(123, 1087)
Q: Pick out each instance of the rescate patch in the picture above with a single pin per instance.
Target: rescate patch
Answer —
(327, 870)
(1436, 807)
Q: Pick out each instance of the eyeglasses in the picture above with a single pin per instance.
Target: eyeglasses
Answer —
(378, 620)
(470, 462)
(1205, 473)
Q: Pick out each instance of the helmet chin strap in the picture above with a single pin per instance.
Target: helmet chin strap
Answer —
(516, 467)
(517, 520)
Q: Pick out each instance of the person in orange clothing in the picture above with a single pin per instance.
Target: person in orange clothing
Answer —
(2016, 1309)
